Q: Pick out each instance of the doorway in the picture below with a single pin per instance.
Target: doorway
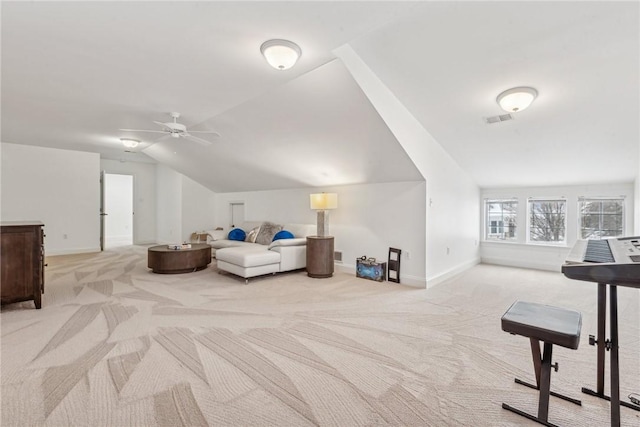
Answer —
(116, 212)
(237, 214)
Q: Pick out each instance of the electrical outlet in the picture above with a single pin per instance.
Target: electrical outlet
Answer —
(448, 251)
(64, 236)
(407, 255)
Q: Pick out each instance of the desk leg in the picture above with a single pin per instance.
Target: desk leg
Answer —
(615, 368)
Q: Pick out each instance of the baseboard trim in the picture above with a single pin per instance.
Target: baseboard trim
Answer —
(408, 280)
(446, 275)
(72, 251)
(521, 264)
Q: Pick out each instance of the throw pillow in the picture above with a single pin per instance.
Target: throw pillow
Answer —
(237, 234)
(251, 236)
(283, 234)
(266, 233)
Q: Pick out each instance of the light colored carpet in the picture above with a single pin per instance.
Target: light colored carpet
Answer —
(116, 345)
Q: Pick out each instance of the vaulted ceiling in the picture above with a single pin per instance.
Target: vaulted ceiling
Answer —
(74, 73)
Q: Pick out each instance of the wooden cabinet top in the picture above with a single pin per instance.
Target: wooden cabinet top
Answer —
(19, 223)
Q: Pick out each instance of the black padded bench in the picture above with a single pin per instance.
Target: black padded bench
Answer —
(551, 325)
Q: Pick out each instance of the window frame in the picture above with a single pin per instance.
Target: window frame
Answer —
(531, 200)
(621, 199)
(487, 226)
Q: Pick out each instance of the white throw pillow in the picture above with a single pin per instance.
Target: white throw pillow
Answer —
(251, 235)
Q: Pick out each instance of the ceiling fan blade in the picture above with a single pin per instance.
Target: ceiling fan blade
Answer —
(196, 139)
(205, 131)
(142, 130)
(163, 125)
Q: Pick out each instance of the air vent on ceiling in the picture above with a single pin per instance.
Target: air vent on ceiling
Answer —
(498, 119)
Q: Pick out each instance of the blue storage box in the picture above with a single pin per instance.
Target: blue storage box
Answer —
(368, 268)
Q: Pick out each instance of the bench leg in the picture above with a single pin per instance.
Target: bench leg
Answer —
(545, 382)
(537, 367)
(542, 366)
(537, 359)
(543, 378)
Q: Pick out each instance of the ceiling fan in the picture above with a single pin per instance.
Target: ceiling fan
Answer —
(177, 130)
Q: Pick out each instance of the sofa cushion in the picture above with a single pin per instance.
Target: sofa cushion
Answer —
(296, 241)
(237, 234)
(226, 243)
(283, 234)
(248, 256)
(266, 233)
(216, 234)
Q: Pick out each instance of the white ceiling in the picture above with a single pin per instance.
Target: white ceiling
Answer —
(73, 73)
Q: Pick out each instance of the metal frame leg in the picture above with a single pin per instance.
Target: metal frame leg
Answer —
(601, 343)
(602, 326)
(545, 382)
(543, 379)
(615, 368)
(536, 355)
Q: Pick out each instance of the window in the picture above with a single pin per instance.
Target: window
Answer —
(547, 220)
(501, 219)
(601, 217)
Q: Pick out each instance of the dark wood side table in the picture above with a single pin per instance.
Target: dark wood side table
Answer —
(163, 260)
(320, 256)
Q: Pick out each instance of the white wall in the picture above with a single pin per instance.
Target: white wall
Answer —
(451, 195)
(198, 208)
(370, 218)
(637, 199)
(168, 205)
(144, 196)
(547, 257)
(61, 188)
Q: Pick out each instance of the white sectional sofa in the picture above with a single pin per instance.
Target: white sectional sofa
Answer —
(249, 259)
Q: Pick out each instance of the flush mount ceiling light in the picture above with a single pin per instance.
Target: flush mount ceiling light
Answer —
(130, 143)
(280, 54)
(516, 99)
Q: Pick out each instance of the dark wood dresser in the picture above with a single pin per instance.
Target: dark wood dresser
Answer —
(21, 261)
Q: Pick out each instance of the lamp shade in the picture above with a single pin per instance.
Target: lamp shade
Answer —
(323, 201)
(516, 99)
(281, 54)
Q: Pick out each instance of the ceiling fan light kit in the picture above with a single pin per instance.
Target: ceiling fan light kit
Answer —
(281, 54)
(516, 99)
(129, 143)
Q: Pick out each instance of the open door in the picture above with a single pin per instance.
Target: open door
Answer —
(116, 210)
(102, 207)
(237, 214)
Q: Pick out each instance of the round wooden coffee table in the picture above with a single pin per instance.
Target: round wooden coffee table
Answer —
(161, 259)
